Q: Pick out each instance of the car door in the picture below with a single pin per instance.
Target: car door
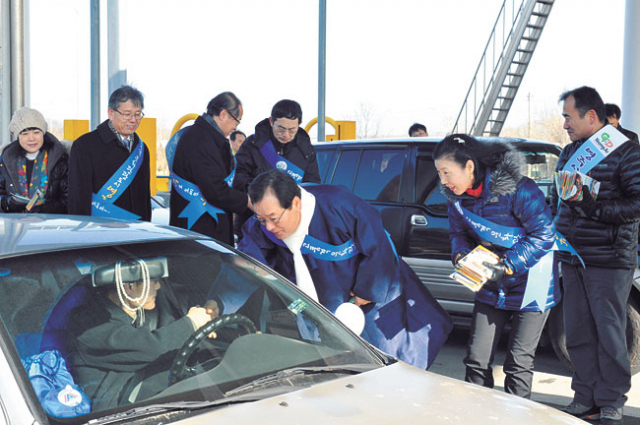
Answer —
(374, 173)
(427, 237)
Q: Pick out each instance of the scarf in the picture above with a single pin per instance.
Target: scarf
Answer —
(294, 243)
(39, 178)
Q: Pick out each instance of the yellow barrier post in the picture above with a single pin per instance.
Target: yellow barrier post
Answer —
(75, 128)
(149, 135)
(344, 130)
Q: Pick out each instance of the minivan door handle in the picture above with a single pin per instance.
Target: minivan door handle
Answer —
(419, 220)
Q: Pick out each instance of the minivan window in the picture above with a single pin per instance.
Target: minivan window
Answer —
(379, 175)
(428, 187)
(324, 159)
(346, 169)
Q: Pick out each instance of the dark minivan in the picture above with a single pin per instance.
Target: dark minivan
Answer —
(399, 178)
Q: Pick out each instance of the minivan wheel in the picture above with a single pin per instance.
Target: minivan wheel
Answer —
(555, 330)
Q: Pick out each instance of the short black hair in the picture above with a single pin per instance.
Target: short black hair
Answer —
(125, 93)
(288, 109)
(613, 110)
(280, 183)
(417, 127)
(234, 133)
(586, 98)
(224, 101)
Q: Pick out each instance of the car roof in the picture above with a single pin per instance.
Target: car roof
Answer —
(430, 140)
(28, 233)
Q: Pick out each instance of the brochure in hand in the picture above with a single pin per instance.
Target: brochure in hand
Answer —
(29, 202)
(470, 269)
(570, 183)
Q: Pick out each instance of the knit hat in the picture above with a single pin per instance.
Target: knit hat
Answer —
(25, 118)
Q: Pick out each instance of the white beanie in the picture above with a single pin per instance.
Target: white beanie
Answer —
(25, 118)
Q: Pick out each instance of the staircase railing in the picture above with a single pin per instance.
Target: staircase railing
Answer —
(502, 66)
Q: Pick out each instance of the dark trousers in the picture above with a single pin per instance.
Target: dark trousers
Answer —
(595, 321)
(487, 326)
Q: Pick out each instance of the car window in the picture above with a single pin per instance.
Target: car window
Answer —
(346, 168)
(539, 166)
(63, 310)
(428, 187)
(379, 175)
(324, 159)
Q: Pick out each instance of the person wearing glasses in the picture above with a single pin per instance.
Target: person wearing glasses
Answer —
(278, 142)
(109, 168)
(203, 170)
(332, 245)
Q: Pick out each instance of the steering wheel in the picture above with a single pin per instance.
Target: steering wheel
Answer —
(179, 369)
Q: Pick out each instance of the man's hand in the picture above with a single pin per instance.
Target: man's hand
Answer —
(360, 301)
(199, 317)
(587, 206)
(212, 308)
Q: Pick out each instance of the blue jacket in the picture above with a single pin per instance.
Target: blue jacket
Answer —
(508, 199)
(403, 319)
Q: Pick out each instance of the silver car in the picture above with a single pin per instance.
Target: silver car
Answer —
(71, 354)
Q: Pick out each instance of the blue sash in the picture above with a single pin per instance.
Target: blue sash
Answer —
(197, 204)
(172, 144)
(102, 202)
(595, 149)
(280, 163)
(319, 249)
(540, 275)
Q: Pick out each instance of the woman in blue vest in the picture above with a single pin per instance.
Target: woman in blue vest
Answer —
(492, 204)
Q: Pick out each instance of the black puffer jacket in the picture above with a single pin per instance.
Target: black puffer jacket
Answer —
(609, 238)
(55, 199)
(251, 162)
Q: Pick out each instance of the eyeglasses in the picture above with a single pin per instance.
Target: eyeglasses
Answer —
(233, 116)
(264, 221)
(127, 116)
(281, 130)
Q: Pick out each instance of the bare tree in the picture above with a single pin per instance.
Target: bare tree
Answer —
(367, 122)
(548, 129)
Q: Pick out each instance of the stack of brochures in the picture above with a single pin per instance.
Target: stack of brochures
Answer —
(471, 270)
(569, 184)
(28, 202)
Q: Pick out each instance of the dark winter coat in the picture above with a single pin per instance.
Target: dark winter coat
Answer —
(630, 134)
(94, 158)
(203, 157)
(55, 199)
(251, 162)
(110, 351)
(510, 199)
(609, 238)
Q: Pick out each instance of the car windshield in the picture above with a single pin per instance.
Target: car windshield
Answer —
(65, 313)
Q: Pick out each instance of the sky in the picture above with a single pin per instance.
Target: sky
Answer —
(399, 62)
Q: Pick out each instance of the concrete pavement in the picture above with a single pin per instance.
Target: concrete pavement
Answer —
(552, 381)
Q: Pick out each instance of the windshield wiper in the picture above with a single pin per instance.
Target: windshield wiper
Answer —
(351, 369)
(233, 396)
(156, 409)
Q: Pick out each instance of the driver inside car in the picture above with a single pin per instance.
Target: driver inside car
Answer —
(127, 333)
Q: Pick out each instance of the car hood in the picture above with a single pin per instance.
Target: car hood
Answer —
(395, 394)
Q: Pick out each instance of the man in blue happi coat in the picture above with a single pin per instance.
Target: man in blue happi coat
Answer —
(333, 246)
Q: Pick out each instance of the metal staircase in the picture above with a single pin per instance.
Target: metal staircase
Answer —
(502, 67)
